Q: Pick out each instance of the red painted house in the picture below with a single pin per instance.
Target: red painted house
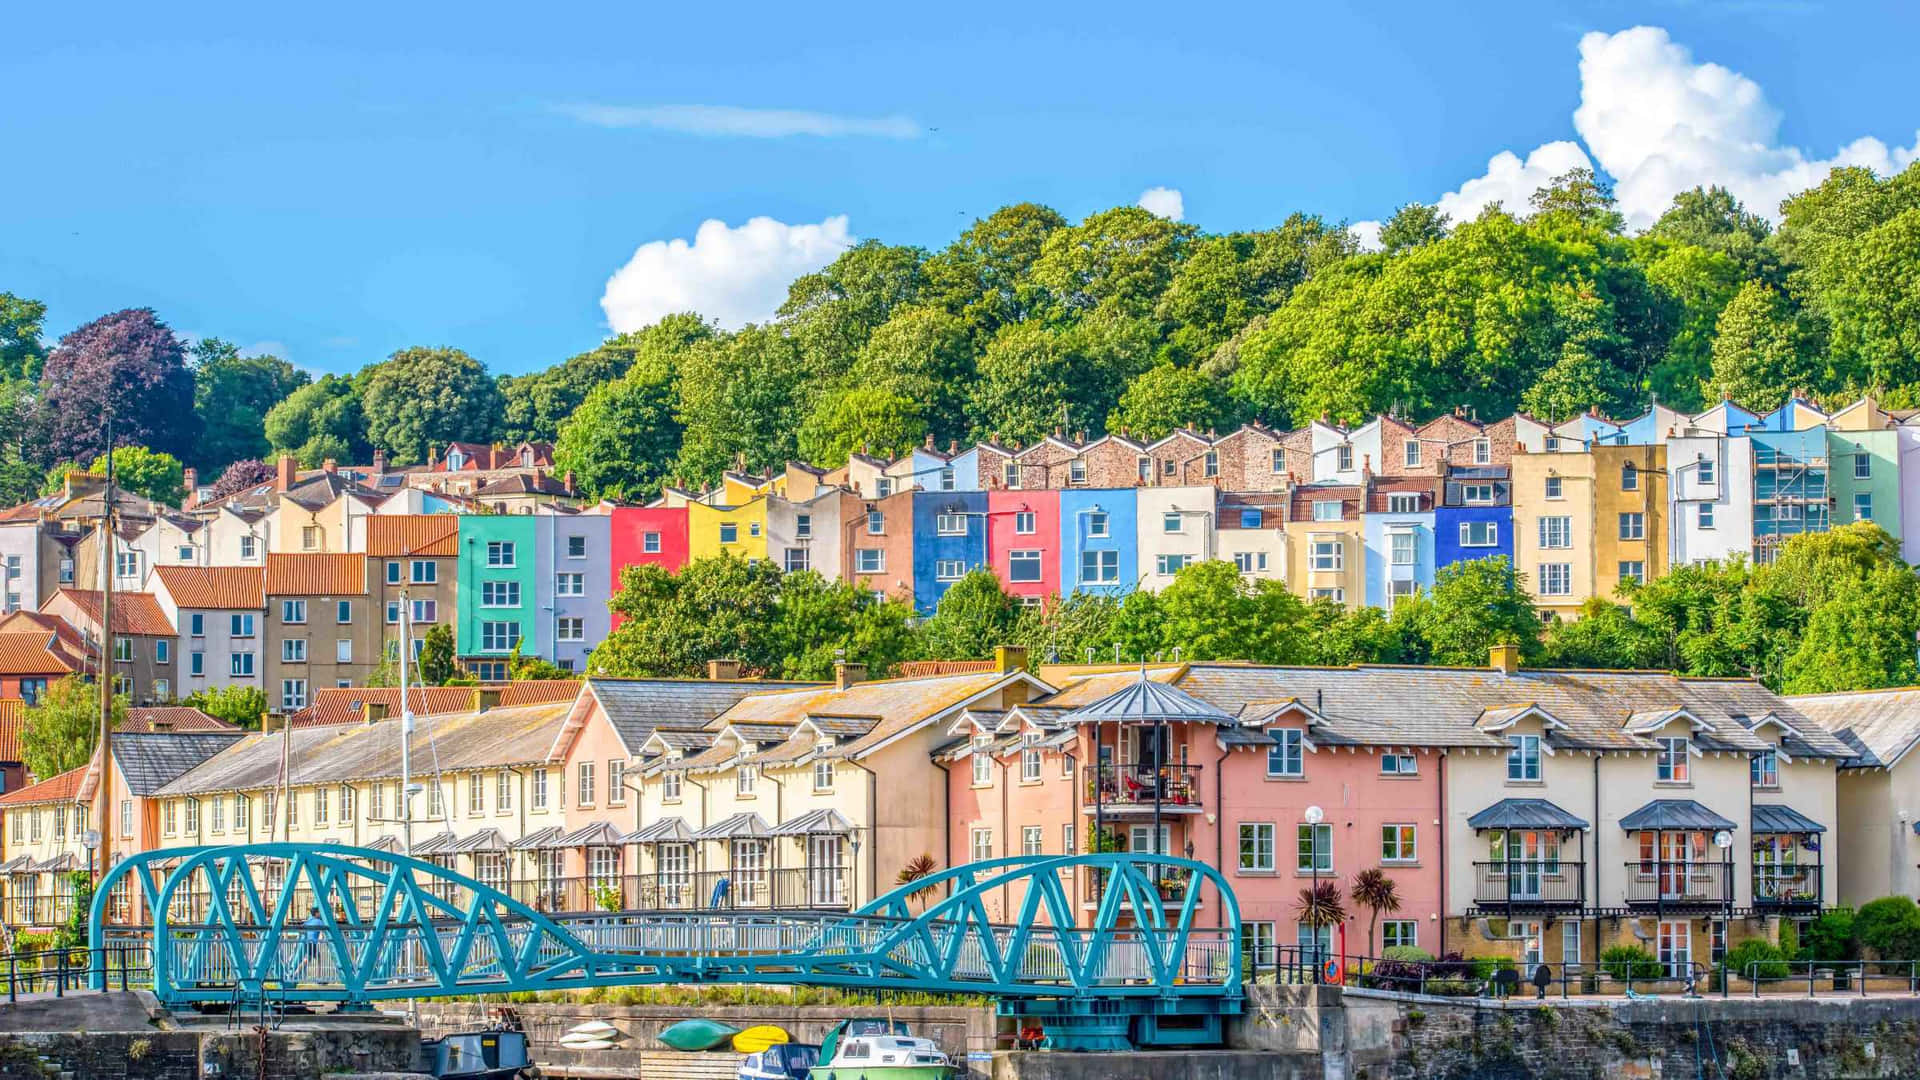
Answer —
(1023, 541)
(647, 535)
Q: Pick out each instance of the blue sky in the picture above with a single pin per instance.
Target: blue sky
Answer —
(344, 181)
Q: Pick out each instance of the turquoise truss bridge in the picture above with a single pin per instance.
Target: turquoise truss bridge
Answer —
(1099, 951)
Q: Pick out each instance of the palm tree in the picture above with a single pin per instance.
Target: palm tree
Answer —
(1322, 905)
(918, 868)
(1375, 891)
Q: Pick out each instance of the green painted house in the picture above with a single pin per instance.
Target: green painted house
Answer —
(1864, 475)
(499, 593)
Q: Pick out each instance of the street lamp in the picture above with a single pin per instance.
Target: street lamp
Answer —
(1314, 816)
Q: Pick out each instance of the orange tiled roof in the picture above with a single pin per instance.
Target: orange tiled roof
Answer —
(177, 717)
(60, 788)
(213, 586)
(37, 653)
(13, 714)
(316, 575)
(345, 705)
(413, 534)
(133, 613)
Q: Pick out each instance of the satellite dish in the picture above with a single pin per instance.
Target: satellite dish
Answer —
(1723, 839)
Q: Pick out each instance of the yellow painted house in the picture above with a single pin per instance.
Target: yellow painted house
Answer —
(739, 530)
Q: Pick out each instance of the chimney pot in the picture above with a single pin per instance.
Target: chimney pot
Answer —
(929, 440)
(846, 673)
(569, 481)
(723, 670)
(330, 466)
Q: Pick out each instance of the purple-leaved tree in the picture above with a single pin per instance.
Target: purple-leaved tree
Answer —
(128, 365)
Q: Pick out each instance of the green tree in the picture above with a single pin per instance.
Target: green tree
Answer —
(159, 477)
(236, 704)
(983, 276)
(1890, 926)
(1077, 628)
(824, 621)
(1223, 282)
(21, 350)
(925, 355)
(1700, 284)
(536, 406)
(717, 608)
(1164, 398)
(974, 616)
(1712, 220)
(1761, 350)
(741, 397)
(1859, 638)
(1473, 605)
(232, 395)
(620, 442)
(420, 398)
(320, 420)
(1336, 637)
(831, 312)
(1606, 635)
(1583, 196)
(868, 419)
(55, 478)
(1211, 611)
(1413, 225)
(1121, 259)
(1034, 380)
(61, 731)
(437, 663)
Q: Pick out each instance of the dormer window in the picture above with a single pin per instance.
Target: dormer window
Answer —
(1766, 769)
(1673, 765)
(456, 460)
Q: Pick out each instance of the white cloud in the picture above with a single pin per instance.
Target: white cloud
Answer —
(1366, 234)
(267, 348)
(732, 275)
(1659, 123)
(733, 120)
(1163, 202)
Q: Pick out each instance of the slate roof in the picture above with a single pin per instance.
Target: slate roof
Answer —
(1881, 726)
(133, 613)
(345, 704)
(1525, 814)
(316, 575)
(823, 822)
(901, 705)
(1150, 701)
(417, 535)
(150, 762)
(636, 707)
(1674, 814)
(1783, 819)
(497, 738)
(212, 587)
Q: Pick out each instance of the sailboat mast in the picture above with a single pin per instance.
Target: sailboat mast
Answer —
(107, 537)
(406, 731)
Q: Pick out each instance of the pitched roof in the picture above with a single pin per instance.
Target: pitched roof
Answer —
(61, 788)
(316, 575)
(413, 534)
(1145, 699)
(1674, 814)
(149, 762)
(324, 754)
(325, 488)
(346, 704)
(523, 484)
(899, 705)
(38, 653)
(635, 707)
(176, 718)
(13, 715)
(213, 586)
(133, 613)
(1882, 725)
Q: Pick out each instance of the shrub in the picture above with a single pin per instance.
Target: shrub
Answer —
(1625, 962)
(1890, 926)
(1407, 954)
(1755, 958)
(1789, 941)
(1483, 967)
(1829, 938)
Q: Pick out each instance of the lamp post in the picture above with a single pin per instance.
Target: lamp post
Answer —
(1314, 816)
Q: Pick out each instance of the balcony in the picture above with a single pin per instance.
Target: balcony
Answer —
(1171, 882)
(1134, 788)
(1530, 885)
(1663, 885)
(1783, 887)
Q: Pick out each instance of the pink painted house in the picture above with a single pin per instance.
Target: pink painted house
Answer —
(1023, 541)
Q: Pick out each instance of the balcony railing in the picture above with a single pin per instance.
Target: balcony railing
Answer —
(1135, 786)
(1530, 884)
(1172, 884)
(35, 911)
(1659, 883)
(1785, 886)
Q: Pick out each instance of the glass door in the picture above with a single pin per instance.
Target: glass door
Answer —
(826, 872)
(673, 865)
(1676, 864)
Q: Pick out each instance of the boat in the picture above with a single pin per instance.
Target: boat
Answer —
(759, 1037)
(697, 1035)
(879, 1050)
(781, 1061)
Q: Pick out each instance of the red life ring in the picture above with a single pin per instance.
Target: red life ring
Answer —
(1330, 971)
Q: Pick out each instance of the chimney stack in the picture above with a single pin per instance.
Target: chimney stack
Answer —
(569, 482)
(272, 722)
(485, 697)
(1504, 658)
(330, 466)
(379, 462)
(1008, 659)
(846, 673)
(723, 670)
(288, 472)
(190, 480)
(374, 711)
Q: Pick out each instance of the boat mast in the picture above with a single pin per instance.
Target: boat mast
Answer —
(406, 733)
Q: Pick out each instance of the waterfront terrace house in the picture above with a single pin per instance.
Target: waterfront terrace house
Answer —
(219, 612)
(1543, 814)
(37, 845)
(1879, 801)
(415, 567)
(142, 651)
(814, 796)
(319, 631)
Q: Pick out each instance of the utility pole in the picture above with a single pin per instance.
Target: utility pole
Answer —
(106, 537)
(406, 731)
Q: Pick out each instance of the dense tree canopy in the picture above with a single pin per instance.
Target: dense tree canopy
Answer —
(318, 421)
(420, 399)
(232, 395)
(137, 469)
(128, 367)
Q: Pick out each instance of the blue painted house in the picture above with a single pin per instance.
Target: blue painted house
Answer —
(1475, 516)
(1099, 550)
(935, 471)
(949, 539)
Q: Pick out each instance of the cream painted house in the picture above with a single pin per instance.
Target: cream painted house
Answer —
(1175, 527)
(1553, 528)
(1879, 789)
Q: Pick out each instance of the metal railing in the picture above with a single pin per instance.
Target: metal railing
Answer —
(1530, 884)
(1672, 884)
(1777, 885)
(1171, 883)
(123, 965)
(1836, 976)
(1454, 976)
(825, 888)
(1125, 786)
